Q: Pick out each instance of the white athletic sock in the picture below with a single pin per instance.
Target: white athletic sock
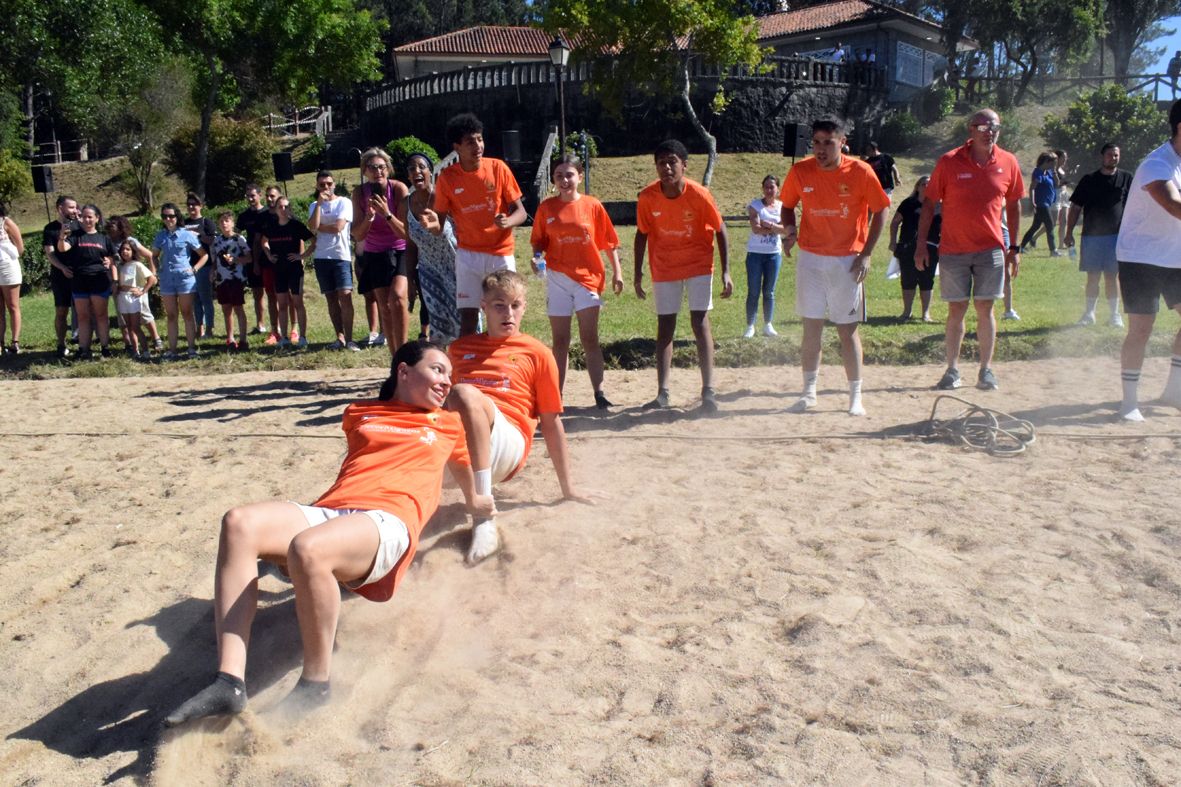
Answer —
(1090, 312)
(1172, 394)
(855, 407)
(1112, 304)
(1129, 409)
(810, 379)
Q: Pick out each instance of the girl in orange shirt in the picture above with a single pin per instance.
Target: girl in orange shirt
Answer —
(362, 533)
(570, 233)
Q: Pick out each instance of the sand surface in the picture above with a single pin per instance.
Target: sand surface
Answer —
(758, 598)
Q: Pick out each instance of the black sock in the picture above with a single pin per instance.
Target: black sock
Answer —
(225, 695)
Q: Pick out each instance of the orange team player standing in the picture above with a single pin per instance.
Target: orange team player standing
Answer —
(570, 233)
(678, 221)
(483, 200)
(504, 383)
(842, 206)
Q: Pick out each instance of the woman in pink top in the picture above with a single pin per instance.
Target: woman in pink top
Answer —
(379, 230)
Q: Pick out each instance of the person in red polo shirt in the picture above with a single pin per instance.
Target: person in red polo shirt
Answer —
(974, 182)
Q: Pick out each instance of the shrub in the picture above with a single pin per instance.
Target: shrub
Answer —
(34, 265)
(311, 154)
(402, 147)
(899, 132)
(574, 145)
(1109, 114)
(937, 103)
(239, 152)
(15, 179)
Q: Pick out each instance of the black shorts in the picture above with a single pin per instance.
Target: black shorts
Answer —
(85, 285)
(253, 280)
(1142, 285)
(63, 296)
(913, 277)
(289, 277)
(376, 269)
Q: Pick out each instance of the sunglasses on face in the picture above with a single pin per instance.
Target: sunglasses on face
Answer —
(377, 167)
(167, 216)
(984, 128)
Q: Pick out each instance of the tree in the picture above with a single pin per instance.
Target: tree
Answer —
(1028, 41)
(1109, 114)
(149, 120)
(1130, 24)
(652, 47)
(280, 48)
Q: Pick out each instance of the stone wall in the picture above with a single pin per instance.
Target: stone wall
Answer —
(753, 120)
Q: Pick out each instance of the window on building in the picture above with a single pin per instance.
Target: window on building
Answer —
(910, 70)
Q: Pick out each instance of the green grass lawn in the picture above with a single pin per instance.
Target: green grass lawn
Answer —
(1048, 297)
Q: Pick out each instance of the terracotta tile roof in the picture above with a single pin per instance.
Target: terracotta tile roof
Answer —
(823, 17)
(485, 40)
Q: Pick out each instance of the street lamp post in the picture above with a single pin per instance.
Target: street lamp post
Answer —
(559, 55)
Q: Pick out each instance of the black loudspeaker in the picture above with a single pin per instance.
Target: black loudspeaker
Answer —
(283, 169)
(42, 180)
(511, 142)
(797, 139)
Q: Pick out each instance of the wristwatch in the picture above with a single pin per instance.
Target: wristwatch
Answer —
(1014, 248)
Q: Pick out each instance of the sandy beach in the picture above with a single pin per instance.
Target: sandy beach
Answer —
(756, 598)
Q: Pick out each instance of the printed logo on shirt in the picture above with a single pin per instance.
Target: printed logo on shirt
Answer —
(428, 436)
(807, 189)
(963, 176)
(468, 356)
(656, 213)
(551, 219)
(459, 190)
(688, 216)
(489, 186)
(843, 189)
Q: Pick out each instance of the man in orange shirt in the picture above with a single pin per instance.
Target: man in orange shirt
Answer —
(504, 383)
(678, 220)
(483, 200)
(975, 182)
(842, 207)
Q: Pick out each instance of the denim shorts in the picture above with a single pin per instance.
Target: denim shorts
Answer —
(333, 275)
(177, 282)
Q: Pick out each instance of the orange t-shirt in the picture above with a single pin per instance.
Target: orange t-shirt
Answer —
(472, 200)
(835, 204)
(974, 196)
(573, 235)
(395, 461)
(680, 231)
(517, 372)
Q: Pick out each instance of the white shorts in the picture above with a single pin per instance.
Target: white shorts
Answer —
(825, 287)
(394, 538)
(668, 294)
(145, 309)
(470, 269)
(508, 448)
(564, 296)
(126, 303)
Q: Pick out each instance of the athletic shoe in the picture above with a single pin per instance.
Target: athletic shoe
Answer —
(769, 330)
(260, 330)
(949, 381)
(1011, 314)
(302, 343)
(601, 401)
(192, 355)
(159, 345)
(1058, 253)
(85, 355)
(106, 352)
(231, 345)
(63, 351)
(379, 341)
(709, 400)
(336, 345)
(168, 355)
(986, 381)
(1086, 319)
(243, 345)
(1072, 252)
(660, 402)
(749, 333)
(272, 339)
(1116, 321)
(14, 348)
(372, 340)
(352, 346)
(283, 343)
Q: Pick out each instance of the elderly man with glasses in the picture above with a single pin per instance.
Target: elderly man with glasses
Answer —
(976, 182)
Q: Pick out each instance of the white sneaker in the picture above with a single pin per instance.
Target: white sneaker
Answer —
(352, 347)
(803, 404)
(1086, 319)
(1116, 321)
(749, 333)
(769, 330)
(1011, 314)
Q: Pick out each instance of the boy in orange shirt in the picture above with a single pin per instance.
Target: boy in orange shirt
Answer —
(483, 200)
(679, 220)
(504, 383)
(570, 234)
(842, 205)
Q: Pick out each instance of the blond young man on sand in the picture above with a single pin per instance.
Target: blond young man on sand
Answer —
(504, 383)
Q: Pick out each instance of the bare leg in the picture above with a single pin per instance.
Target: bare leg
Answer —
(333, 301)
(100, 312)
(186, 311)
(925, 300)
(345, 306)
(257, 293)
(907, 304)
(666, 329)
(319, 558)
(469, 321)
(699, 320)
(588, 334)
(272, 307)
(985, 332)
(170, 312)
(381, 296)
(284, 326)
(478, 414)
(398, 307)
(560, 331)
(850, 350)
(82, 306)
(954, 334)
(301, 314)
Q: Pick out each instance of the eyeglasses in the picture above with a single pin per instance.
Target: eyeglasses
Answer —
(984, 128)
